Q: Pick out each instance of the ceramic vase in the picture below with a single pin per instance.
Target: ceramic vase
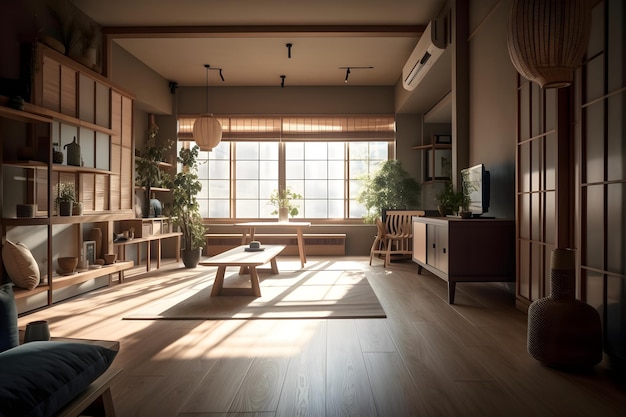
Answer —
(283, 214)
(564, 332)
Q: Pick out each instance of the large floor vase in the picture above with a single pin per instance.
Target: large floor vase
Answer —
(564, 332)
(191, 257)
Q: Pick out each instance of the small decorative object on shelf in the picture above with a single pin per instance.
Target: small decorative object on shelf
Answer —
(65, 198)
(16, 103)
(564, 332)
(73, 153)
(77, 208)
(57, 155)
(26, 210)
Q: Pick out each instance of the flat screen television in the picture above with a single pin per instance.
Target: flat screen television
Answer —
(476, 181)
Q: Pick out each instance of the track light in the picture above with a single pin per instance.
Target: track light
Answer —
(352, 68)
(282, 81)
(289, 45)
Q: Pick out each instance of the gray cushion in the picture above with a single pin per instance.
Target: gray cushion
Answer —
(40, 378)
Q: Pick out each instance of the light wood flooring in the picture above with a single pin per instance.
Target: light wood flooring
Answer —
(427, 358)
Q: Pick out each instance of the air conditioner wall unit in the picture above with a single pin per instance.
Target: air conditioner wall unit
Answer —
(429, 48)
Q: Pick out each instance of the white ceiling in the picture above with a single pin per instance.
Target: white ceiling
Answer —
(247, 38)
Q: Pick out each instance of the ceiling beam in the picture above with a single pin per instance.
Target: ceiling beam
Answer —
(263, 31)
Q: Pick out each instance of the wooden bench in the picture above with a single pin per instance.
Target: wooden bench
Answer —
(316, 243)
(250, 260)
(121, 247)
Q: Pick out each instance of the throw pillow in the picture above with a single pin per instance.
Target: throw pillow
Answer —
(40, 378)
(21, 265)
(9, 334)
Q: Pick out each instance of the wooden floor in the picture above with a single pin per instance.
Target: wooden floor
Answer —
(426, 359)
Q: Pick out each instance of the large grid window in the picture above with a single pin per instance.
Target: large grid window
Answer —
(322, 161)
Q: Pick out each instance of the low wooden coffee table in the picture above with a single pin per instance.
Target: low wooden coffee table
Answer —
(244, 260)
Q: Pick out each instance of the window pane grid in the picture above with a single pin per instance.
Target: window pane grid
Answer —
(238, 176)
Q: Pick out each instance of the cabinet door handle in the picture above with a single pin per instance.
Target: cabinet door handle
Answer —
(444, 250)
(434, 246)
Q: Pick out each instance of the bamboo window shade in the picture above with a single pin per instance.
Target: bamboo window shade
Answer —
(342, 128)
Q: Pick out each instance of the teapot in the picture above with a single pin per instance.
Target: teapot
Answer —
(73, 153)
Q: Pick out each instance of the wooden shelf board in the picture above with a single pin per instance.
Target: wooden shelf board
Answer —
(61, 281)
(85, 218)
(152, 188)
(161, 163)
(24, 116)
(22, 292)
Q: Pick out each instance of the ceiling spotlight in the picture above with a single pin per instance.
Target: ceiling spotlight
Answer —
(352, 68)
(282, 81)
(289, 45)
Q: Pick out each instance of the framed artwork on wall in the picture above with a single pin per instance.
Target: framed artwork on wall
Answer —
(89, 251)
(443, 139)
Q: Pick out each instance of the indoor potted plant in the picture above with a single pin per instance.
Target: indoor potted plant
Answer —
(389, 188)
(184, 209)
(283, 201)
(65, 198)
(448, 200)
(148, 173)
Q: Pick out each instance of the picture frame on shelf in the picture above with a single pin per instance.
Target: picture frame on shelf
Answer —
(89, 251)
(443, 139)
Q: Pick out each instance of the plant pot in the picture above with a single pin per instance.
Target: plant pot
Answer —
(77, 209)
(65, 208)
(57, 157)
(465, 214)
(191, 257)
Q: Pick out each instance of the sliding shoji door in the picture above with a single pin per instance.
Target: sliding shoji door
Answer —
(602, 175)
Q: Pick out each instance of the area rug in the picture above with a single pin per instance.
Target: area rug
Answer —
(292, 295)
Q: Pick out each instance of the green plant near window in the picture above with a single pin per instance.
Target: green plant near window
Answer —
(148, 173)
(284, 199)
(184, 209)
(388, 188)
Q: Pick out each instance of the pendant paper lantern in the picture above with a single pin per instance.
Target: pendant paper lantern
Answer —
(548, 38)
(207, 132)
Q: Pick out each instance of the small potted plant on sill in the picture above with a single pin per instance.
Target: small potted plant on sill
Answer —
(65, 198)
(283, 202)
(184, 209)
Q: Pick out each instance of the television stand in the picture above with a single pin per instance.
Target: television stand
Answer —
(465, 250)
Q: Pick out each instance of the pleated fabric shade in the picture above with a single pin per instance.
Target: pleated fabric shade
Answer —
(547, 39)
(207, 132)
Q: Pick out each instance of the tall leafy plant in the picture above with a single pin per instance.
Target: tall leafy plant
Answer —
(184, 210)
(390, 187)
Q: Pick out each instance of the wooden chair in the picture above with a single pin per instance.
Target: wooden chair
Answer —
(379, 246)
(399, 233)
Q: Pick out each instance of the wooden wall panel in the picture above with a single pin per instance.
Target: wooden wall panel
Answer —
(68, 91)
(51, 97)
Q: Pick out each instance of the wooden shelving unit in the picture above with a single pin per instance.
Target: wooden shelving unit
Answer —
(68, 100)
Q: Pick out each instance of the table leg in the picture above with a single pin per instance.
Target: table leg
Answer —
(158, 243)
(301, 247)
(274, 266)
(177, 249)
(148, 256)
(218, 284)
(254, 281)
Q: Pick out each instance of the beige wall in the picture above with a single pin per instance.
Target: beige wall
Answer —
(492, 102)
